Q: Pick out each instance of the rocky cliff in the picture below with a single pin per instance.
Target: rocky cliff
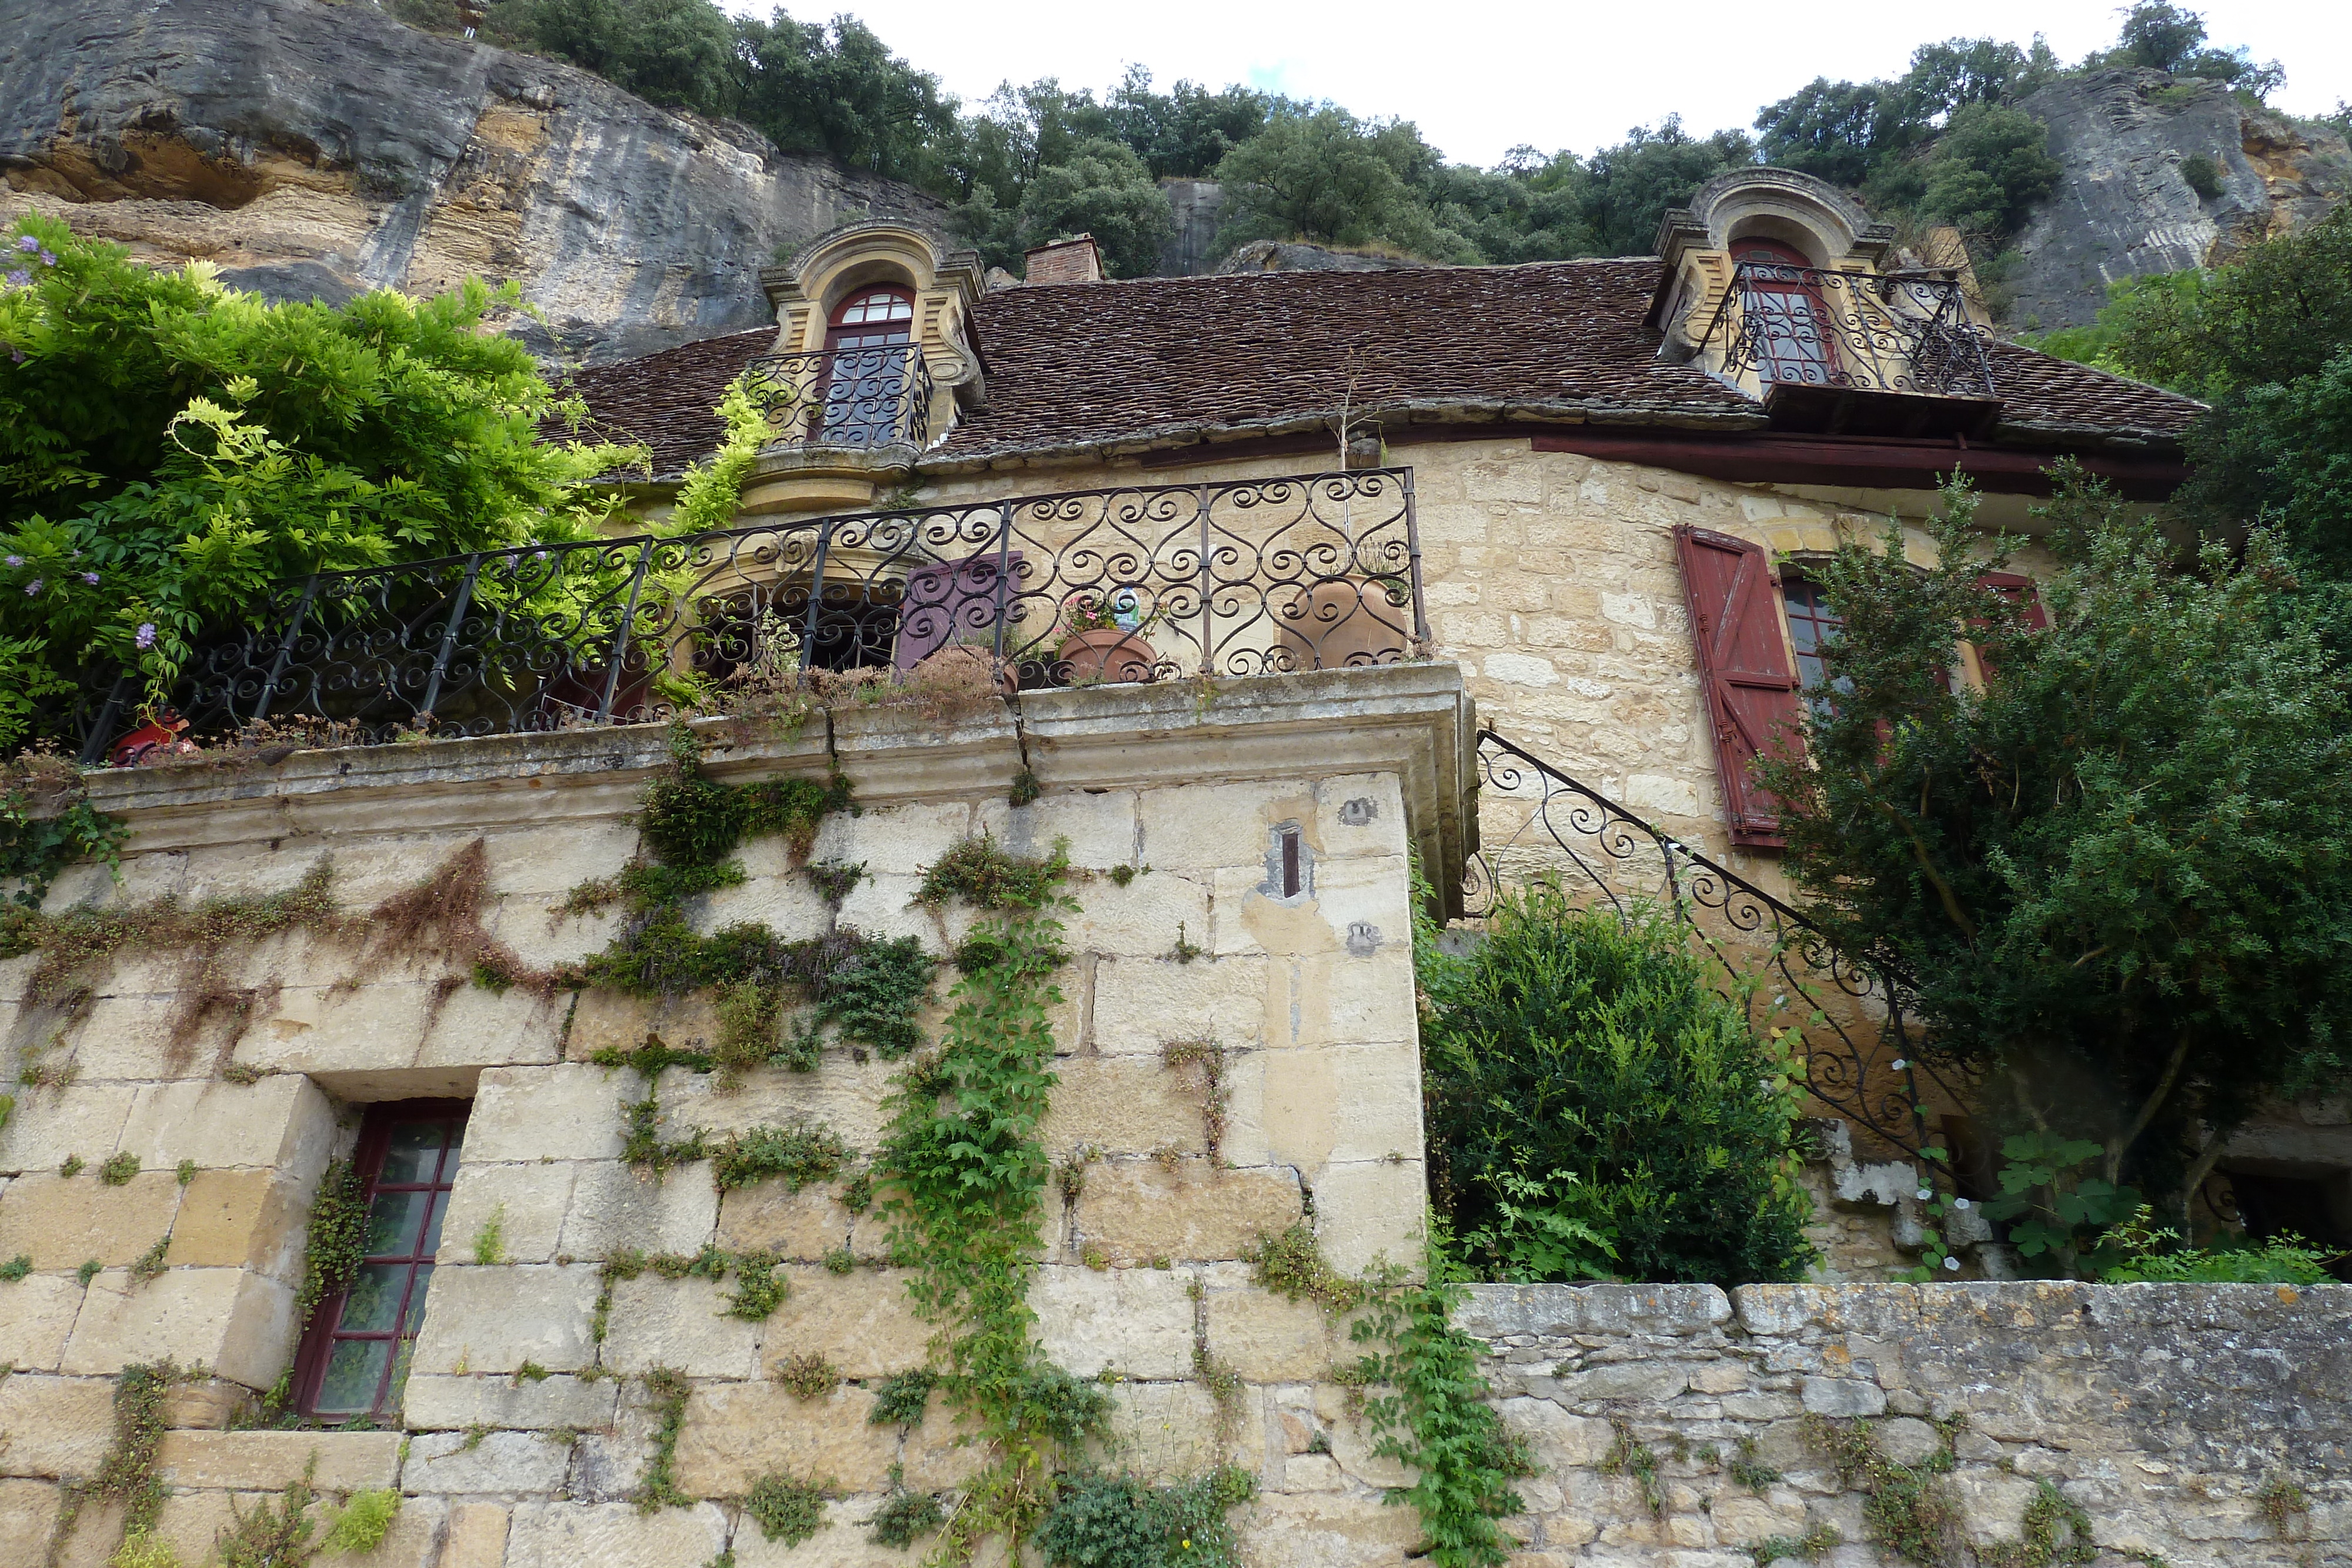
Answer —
(2125, 207)
(310, 149)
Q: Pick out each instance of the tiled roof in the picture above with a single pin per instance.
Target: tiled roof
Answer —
(665, 400)
(1158, 361)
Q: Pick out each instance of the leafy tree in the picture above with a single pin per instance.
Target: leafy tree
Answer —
(2160, 36)
(1946, 77)
(2120, 876)
(1186, 131)
(171, 449)
(1595, 1109)
(2268, 340)
(679, 53)
(1326, 176)
(838, 89)
(1835, 130)
(1987, 170)
(1530, 208)
(1103, 189)
(1628, 187)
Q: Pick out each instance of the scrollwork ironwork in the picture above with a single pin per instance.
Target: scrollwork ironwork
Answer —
(1848, 1019)
(1132, 583)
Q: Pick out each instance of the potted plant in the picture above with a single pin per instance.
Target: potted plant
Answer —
(1102, 638)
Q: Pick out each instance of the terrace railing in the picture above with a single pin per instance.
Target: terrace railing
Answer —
(1146, 583)
(860, 398)
(1844, 1016)
(1809, 327)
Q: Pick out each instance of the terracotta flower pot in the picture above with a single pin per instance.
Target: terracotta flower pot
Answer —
(1342, 623)
(1108, 655)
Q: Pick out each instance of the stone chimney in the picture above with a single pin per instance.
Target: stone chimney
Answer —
(1075, 260)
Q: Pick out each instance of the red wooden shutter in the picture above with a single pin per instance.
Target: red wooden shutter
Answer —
(1751, 693)
(2020, 592)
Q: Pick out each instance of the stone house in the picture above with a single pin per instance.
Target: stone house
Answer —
(361, 1143)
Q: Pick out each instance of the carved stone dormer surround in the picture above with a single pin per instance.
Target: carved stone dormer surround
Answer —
(1694, 243)
(803, 475)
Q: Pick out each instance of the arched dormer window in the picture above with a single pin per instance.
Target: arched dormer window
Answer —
(1787, 316)
(869, 370)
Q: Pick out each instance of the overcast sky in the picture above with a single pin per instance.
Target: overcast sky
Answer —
(1481, 78)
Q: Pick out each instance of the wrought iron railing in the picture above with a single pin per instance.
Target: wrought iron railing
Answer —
(1860, 1055)
(1139, 584)
(860, 398)
(1802, 326)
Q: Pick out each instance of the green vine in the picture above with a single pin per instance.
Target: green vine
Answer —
(1434, 1416)
(336, 1241)
(126, 1475)
(46, 824)
(961, 1175)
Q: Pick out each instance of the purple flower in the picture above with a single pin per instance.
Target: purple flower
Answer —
(145, 637)
(27, 242)
(16, 561)
(20, 278)
(32, 587)
(48, 258)
(91, 578)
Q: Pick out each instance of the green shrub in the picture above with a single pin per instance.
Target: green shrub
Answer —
(2144, 1252)
(2204, 175)
(1588, 1091)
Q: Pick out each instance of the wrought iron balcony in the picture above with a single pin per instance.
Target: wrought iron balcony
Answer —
(1142, 584)
(858, 397)
(1846, 351)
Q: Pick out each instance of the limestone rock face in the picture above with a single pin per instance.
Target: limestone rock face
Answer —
(2122, 207)
(315, 150)
(1276, 256)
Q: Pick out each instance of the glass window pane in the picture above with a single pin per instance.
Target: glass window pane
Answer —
(375, 1298)
(416, 1299)
(456, 1147)
(393, 1220)
(415, 1152)
(432, 1230)
(353, 1372)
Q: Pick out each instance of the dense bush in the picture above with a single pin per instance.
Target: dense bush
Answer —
(170, 449)
(1581, 1075)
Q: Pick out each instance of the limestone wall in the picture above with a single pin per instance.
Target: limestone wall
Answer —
(1551, 578)
(2163, 1412)
(526, 1434)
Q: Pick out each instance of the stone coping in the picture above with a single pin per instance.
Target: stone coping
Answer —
(1559, 1312)
(1412, 719)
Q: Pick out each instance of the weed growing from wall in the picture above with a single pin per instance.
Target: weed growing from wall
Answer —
(47, 823)
(789, 1511)
(905, 1516)
(666, 1392)
(809, 1376)
(1911, 1509)
(901, 1401)
(362, 1523)
(1208, 1059)
(1628, 1456)
(336, 1239)
(1815, 1543)
(1118, 1521)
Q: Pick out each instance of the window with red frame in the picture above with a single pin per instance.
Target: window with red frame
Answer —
(1786, 313)
(1813, 625)
(354, 1354)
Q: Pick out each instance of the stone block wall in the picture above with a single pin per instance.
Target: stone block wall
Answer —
(2164, 1412)
(525, 1430)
